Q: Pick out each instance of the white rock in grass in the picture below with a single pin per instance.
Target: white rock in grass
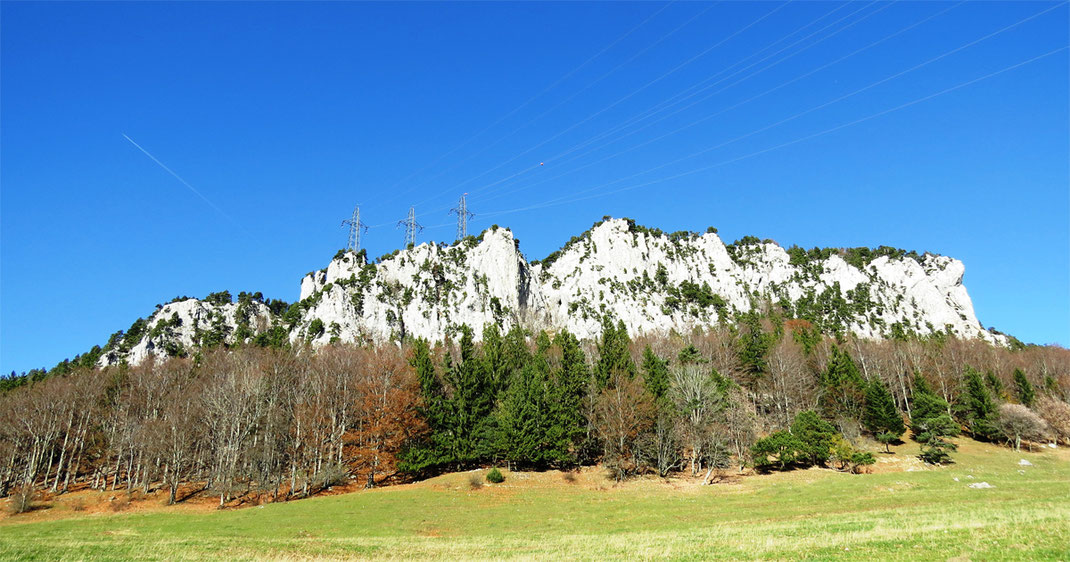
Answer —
(1024, 462)
(980, 485)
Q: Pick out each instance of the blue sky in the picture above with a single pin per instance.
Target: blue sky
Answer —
(922, 125)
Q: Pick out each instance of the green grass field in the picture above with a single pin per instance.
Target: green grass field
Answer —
(919, 514)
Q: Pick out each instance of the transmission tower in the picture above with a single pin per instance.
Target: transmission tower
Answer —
(355, 228)
(462, 217)
(411, 227)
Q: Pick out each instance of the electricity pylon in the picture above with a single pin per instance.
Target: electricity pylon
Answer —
(411, 227)
(463, 215)
(355, 228)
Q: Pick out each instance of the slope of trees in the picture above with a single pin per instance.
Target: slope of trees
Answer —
(254, 423)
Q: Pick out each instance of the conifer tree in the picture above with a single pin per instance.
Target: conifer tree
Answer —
(613, 355)
(816, 435)
(930, 418)
(524, 419)
(571, 381)
(655, 373)
(433, 451)
(470, 403)
(842, 387)
(1024, 390)
(881, 416)
(979, 409)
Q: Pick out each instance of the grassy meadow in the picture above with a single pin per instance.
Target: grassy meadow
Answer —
(904, 510)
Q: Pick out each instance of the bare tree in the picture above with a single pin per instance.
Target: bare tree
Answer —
(622, 412)
(1056, 414)
(699, 404)
(1018, 422)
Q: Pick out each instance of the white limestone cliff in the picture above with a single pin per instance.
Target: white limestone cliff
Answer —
(653, 282)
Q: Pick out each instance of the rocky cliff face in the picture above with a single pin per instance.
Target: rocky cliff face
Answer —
(654, 282)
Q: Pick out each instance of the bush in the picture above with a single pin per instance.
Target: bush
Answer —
(780, 448)
(21, 499)
(495, 476)
(474, 481)
(569, 477)
(860, 460)
(937, 450)
(120, 503)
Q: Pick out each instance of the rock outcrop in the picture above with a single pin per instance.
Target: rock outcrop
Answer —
(654, 282)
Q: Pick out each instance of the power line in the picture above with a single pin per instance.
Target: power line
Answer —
(565, 200)
(826, 104)
(693, 123)
(664, 104)
(629, 95)
(525, 104)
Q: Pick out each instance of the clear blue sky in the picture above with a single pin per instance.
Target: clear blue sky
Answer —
(739, 115)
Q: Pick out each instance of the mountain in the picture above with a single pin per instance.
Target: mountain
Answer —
(654, 282)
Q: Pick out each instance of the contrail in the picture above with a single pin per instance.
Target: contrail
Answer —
(185, 183)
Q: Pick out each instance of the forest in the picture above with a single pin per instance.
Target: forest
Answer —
(273, 424)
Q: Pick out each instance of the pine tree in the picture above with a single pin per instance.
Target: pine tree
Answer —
(570, 383)
(613, 355)
(690, 354)
(524, 419)
(979, 408)
(433, 451)
(470, 403)
(816, 435)
(930, 418)
(881, 416)
(1024, 390)
(655, 373)
(842, 387)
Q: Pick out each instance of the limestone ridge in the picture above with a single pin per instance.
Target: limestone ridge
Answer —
(654, 282)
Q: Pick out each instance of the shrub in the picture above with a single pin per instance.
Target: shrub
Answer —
(937, 450)
(860, 460)
(120, 503)
(474, 481)
(495, 476)
(780, 448)
(569, 477)
(21, 499)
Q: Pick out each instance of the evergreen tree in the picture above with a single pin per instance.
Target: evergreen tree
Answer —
(571, 381)
(470, 403)
(754, 345)
(842, 387)
(816, 435)
(785, 447)
(613, 354)
(994, 384)
(930, 418)
(881, 416)
(433, 451)
(494, 356)
(524, 419)
(655, 373)
(979, 410)
(690, 354)
(1024, 390)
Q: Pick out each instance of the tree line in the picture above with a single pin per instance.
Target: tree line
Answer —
(250, 423)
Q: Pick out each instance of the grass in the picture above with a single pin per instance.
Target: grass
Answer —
(924, 514)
